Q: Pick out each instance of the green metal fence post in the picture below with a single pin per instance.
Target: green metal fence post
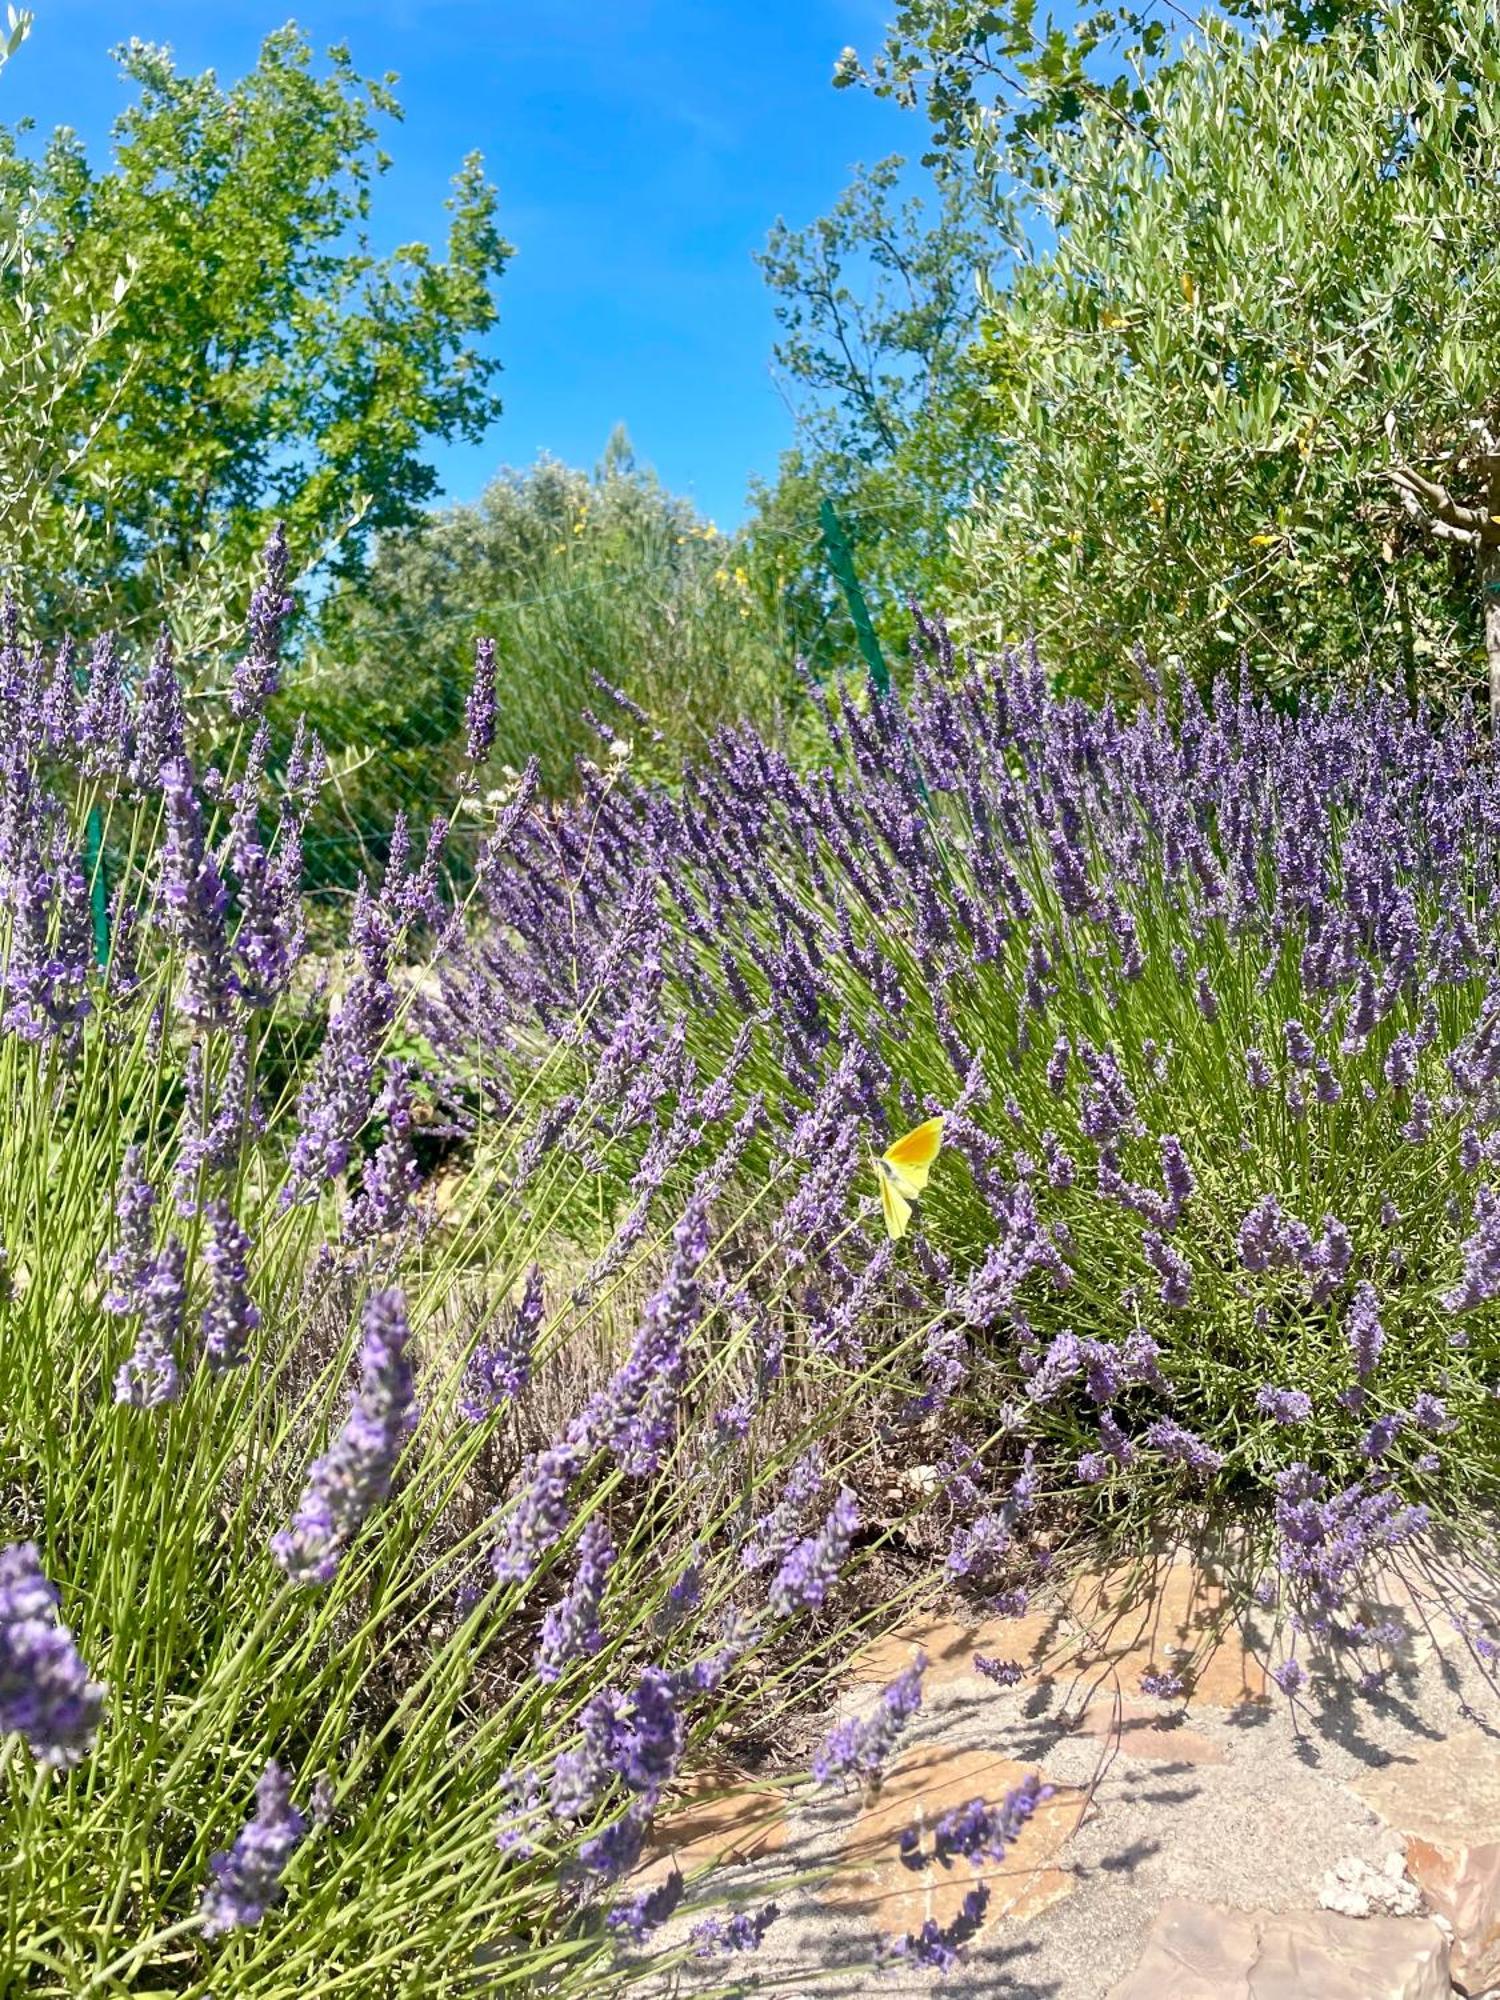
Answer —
(93, 849)
(841, 562)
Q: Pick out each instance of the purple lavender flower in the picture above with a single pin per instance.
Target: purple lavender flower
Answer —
(773, 1535)
(103, 725)
(1289, 1676)
(150, 1378)
(810, 1571)
(1258, 1072)
(339, 1098)
(159, 724)
(230, 1317)
(978, 1548)
(1283, 1406)
(193, 900)
(581, 1774)
(1177, 1177)
(616, 1850)
(1401, 1063)
(480, 706)
(570, 1630)
(257, 676)
(538, 1517)
(1181, 1446)
(648, 1911)
(639, 1414)
(1004, 1673)
(354, 1475)
(980, 1832)
(390, 1176)
(1430, 1413)
(1165, 1687)
(722, 1937)
(1363, 1330)
(939, 1947)
(650, 1745)
(1382, 1434)
(223, 1113)
(861, 1748)
(1169, 1264)
(247, 1878)
(1261, 1235)
(1327, 1538)
(272, 930)
(129, 1263)
(1481, 1278)
(1301, 1051)
(1416, 1129)
(499, 1370)
(1057, 1066)
(46, 1695)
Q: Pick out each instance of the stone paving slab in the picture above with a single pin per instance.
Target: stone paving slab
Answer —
(1233, 1801)
(1198, 1952)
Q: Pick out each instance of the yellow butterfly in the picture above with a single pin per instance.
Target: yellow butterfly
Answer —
(902, 1171)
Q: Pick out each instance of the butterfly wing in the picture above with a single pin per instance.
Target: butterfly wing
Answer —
(911, 1156)
(896, 1208)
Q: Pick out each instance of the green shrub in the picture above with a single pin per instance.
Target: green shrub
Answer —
(577, 579)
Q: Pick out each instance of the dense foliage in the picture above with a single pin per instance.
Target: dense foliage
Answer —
(1231, 389)
(576, 580)
(1209, 1003)
(249, 358)
(1255, 371)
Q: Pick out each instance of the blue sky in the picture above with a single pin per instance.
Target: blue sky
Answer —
(641, 147)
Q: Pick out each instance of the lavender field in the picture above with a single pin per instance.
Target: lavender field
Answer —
(454, 1388)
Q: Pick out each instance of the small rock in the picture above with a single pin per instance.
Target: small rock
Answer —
(1352, 1888)
(1447, 1805)
(1198, 1952)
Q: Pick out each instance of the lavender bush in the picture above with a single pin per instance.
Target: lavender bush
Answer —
(366, 1582)
(1209, 997)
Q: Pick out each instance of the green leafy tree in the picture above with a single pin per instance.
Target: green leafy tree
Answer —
(878, 312)
(1241, 388)
(1247, 398)
(261, 362)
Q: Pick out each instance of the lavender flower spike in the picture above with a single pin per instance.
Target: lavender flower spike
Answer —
(1481, 1278)
(479, 709)
(808, 1573)
(355, 1474)
(46, 1695)
(1365, 1333)
(719, 1937)
(940, 1946)
(861, 1749)
(570, 1631)
(129, 1263)
(499, 1369)
(230, 1317)
(540, 1515)
(644, 1913)
(151, 1377)
(247, 1878)
(258, 675)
